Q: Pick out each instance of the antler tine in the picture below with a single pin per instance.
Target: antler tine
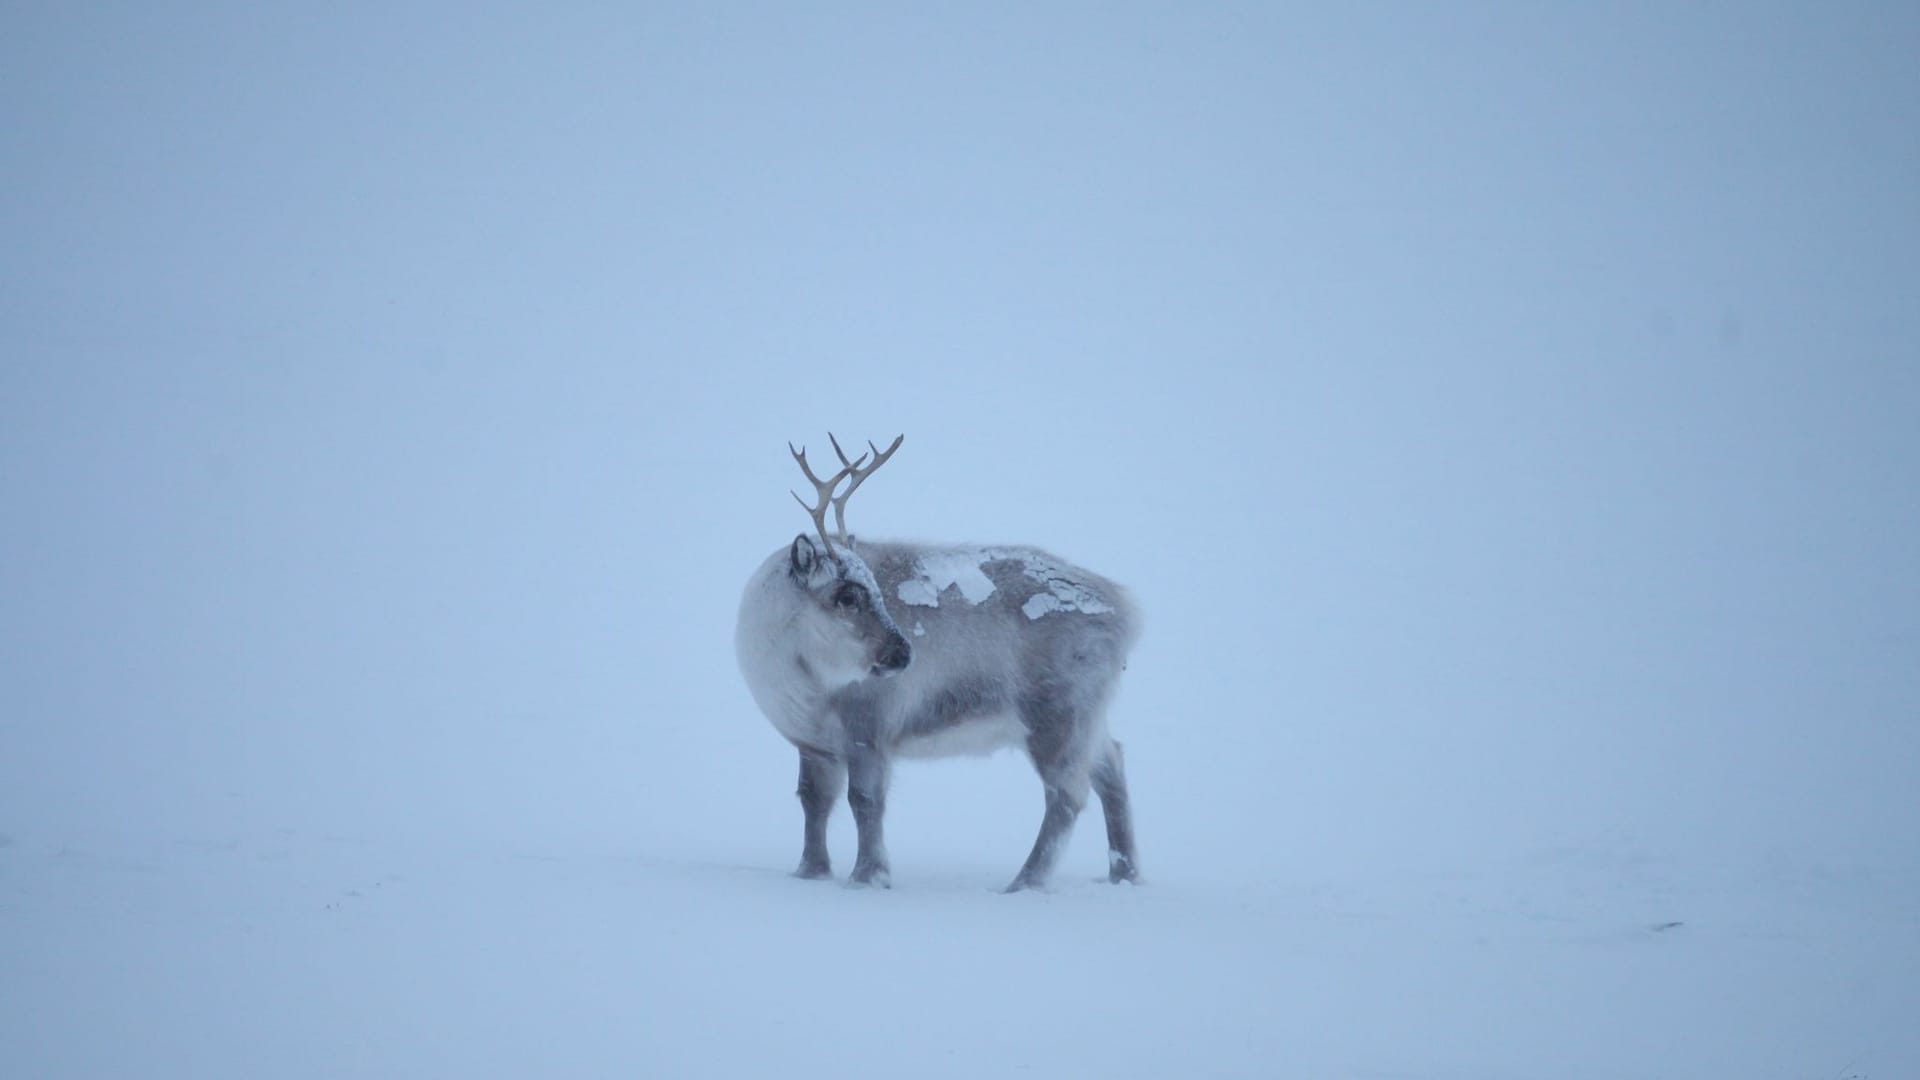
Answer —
(859, 476)
(823, 491)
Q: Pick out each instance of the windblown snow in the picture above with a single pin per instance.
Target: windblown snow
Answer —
(1520, 485)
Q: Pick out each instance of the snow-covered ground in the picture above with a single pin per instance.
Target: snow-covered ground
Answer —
(1504, 416)
(299, 955)
(536, 896)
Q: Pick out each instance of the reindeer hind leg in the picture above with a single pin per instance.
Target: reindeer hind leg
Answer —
(1056, 743)
(1109, 776)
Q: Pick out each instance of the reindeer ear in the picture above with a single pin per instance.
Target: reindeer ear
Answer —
(802, 557)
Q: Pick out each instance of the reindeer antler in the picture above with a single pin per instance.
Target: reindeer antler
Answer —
(859, 476)
(823, 490)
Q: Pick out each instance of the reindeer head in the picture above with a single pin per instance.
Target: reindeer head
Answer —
(846, 631)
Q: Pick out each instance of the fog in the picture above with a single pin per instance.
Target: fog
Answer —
(1506, 416)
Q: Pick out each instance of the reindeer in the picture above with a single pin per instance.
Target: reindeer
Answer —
(993, 647)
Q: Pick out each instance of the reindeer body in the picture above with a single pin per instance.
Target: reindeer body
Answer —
(860, 653)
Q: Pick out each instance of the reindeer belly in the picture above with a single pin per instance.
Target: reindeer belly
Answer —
(972, 736)
(958, 715)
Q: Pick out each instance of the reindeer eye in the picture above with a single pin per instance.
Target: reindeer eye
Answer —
(849, 597)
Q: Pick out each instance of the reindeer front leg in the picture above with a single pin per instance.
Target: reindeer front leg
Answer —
(822, 778)
(867, 774)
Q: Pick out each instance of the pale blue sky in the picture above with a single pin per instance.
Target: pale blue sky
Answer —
(1506, 414)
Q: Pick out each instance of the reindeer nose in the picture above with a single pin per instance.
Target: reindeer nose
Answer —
(896, 655)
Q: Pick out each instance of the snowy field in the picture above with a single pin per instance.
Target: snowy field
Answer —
(308, 956)
(1507, 418)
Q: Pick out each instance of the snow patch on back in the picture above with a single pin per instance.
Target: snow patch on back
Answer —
(1063, 593)
(918, 592)
(936, 573)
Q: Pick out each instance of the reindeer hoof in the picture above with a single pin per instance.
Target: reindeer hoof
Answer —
(876, 876)
(1120, 868)
(813, 871)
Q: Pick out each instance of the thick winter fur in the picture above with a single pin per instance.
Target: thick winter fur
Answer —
(885, 650)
